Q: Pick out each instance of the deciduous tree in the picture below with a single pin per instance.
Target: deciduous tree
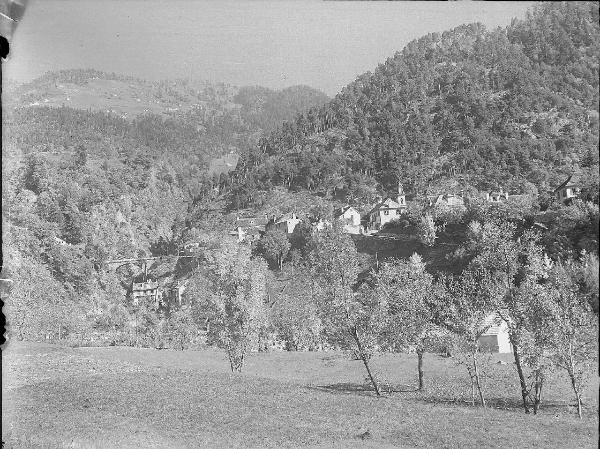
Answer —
(274, 245)
(408, 288)
(236, 308)
(353, 319)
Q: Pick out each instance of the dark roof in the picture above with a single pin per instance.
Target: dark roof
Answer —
(342, 211)
(251, 221)
(572, 181)
(286, 217)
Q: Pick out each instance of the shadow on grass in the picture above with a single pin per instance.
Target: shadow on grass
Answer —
(513, 404)
(496, 403)
(345, 388)
(348, 388)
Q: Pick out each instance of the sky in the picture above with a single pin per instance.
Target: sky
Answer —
(279, 43)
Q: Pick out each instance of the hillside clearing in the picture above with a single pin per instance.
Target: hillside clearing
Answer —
(125, 397)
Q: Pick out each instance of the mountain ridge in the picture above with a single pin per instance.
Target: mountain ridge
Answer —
(516, 107)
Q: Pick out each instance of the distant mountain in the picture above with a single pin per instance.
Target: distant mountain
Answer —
(128, 96)
(464, 109)
(69, 107)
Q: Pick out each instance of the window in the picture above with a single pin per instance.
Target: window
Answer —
(397, 212)
(386, 212)
(564, 193)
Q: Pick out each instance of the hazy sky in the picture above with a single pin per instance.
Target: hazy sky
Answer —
(270, 43)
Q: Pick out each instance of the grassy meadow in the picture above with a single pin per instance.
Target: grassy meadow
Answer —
(117, 397)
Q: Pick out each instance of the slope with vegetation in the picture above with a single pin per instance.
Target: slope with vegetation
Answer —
(82, 185)
(468, 108)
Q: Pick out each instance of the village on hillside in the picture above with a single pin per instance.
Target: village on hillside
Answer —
(300, 224)
(388, 210)
(165, 291)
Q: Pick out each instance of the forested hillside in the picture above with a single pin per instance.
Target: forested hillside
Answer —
(82, 185)
(465, 109)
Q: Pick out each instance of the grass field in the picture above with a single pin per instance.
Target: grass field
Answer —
(124, 397)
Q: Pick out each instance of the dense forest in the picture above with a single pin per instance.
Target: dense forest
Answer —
(465, 109)
(81, 187)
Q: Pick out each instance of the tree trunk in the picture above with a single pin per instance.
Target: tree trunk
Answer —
(571, 372)
(522, 381)
(363, 357)
(477, 380)
(373, 381)
(420, 369)
(539, 383)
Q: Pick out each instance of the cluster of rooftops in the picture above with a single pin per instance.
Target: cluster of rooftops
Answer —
(384, 211)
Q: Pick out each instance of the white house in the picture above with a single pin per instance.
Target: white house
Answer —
(287, 222)
(495, 338)
(569, 189)
(350, 219)
(387, 210)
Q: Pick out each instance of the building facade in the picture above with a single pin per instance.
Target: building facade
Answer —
(387, 210)
(568, 190)
(495, 338)
(350, 219)
(286, 223)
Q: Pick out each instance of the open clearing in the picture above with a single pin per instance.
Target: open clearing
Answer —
(144, 398)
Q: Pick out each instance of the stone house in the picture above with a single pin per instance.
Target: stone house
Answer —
(286, 223)
(569, 189)
(149, 289)
(350, 219)
(249, 228)
(446, 200)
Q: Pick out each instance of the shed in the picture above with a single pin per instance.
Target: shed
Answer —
(495, 338)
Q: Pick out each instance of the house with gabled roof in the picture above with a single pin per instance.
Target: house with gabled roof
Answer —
(249, 228)
(286, 222)
(569, 189)
(146, 290)
(495, 338)
(387, 210)
(446, 200)
(350, 219)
